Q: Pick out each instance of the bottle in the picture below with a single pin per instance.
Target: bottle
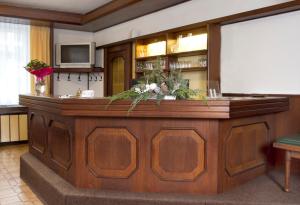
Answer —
(78, 93)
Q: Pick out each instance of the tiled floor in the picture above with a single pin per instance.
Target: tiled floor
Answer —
(13, 191)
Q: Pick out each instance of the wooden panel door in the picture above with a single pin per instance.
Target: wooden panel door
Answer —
(118, 61)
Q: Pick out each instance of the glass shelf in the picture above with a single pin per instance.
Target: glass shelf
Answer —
(187, 41)
(151, 47)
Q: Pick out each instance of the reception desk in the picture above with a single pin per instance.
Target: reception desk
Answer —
(199, 147)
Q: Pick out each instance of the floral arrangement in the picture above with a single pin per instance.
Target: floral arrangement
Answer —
(158, 85)
(39, 69)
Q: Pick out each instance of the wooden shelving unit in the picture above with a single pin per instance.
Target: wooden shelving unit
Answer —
(184, 49)
(182, 69)
(188, 53)
(173, 46)
(79, 70)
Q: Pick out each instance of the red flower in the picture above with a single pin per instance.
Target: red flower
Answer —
(41, 73)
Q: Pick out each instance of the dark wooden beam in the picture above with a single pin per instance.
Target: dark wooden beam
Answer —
(107, 9)
(40, 14)
(262, 12)
(235, 18)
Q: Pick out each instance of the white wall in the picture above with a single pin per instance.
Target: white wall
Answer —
(262, 56)
(183, 14)
(63, 86)
(193, 11)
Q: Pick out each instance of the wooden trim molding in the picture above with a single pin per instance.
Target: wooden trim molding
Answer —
(106, 9)
(262, 12)
(235, 18)
(212, 109)
(115, 5)
(13, 109)
(40, 14)
(64, 17)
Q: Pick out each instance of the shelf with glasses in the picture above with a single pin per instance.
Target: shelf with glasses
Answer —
(186, 50)
(179, 54)
(150, 57)
(188, 53)
(79, 70)
(191, 69)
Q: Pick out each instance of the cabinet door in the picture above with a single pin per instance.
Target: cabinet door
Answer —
(118, 69)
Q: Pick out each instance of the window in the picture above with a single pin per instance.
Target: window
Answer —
(14, 55)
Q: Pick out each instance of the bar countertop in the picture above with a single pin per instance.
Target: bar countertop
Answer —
(220, 108)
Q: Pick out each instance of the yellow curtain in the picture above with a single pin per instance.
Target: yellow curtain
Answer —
(40, 49)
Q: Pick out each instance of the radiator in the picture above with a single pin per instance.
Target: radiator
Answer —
(13, 128)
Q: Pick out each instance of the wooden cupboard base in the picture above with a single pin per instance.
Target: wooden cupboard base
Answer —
(54, 190)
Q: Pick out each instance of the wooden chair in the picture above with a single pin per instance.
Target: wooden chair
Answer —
(291, 145)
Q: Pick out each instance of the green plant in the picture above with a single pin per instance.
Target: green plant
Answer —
(36, 65)
(156, 84)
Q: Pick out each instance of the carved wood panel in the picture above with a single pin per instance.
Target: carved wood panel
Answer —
(111, 152)
(245, 148)
(38, 133)
(59, 144)
(178, 155)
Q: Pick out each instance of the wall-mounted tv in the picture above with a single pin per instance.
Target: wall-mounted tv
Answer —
(75, 55)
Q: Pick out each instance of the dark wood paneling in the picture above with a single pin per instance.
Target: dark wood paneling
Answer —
(78, 70)
(111, 152)
(60, 144)
(12, 109)
(106, 9)
(51, 46)
(40, 14)
(214, 53)
(124, 51)
(144, 178)
(131, 11)
(178, 155)
(245, 148)
(120, 11)
(260, 13)
(211, 109)
(171, 153)
(38, 132)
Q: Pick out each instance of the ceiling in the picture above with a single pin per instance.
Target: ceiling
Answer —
(84, 15)
(138, 9)
(73, 6)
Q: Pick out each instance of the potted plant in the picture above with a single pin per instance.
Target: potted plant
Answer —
(158, 85)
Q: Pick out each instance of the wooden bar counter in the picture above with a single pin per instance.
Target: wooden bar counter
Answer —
(175, 147)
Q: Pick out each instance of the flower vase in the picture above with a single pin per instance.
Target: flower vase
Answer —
(40, 86)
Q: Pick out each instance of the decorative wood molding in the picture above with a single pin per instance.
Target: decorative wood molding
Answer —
(262, 12)
(60, 144)
(64, 17)
(80, 21)
(106, 9)
(14, 109)
(111, 153)
(38, 133)
(245, 147)
(40, 14)
(178, 155)
(212, 109)
(239, 17)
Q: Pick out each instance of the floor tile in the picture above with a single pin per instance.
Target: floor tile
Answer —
(13, 190)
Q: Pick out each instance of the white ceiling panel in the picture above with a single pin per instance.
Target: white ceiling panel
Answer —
(74, 6)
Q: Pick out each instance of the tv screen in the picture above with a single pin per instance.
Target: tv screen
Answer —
(75, 54)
